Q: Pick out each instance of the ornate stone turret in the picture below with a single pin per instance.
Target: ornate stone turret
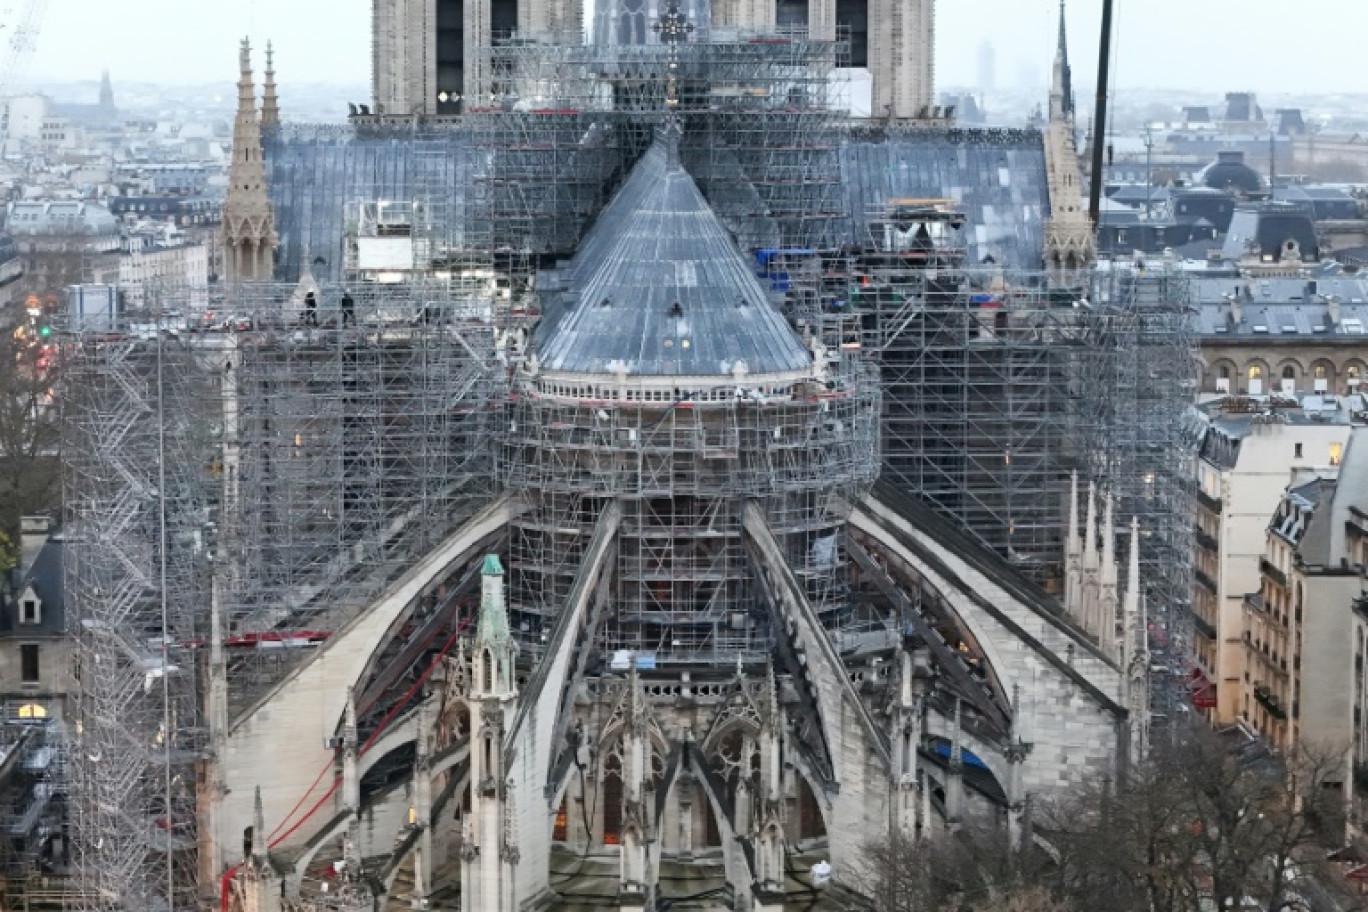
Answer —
(424, 858)
(351, 782)
(906, 722)
(954, 777)
(257, 885)
(1107, 574)
(1135, 658)
(768, 826)
(636, 880)
(270, 105)
(1073, 550)
(249, 235)
(1069, 241)
(1018, 799)
(489, 850)
(1091, 573)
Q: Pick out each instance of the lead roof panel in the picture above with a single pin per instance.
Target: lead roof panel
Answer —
(658, 288)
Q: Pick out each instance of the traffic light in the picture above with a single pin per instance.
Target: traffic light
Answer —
(44, 330)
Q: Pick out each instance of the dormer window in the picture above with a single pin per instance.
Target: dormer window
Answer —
(30, 607)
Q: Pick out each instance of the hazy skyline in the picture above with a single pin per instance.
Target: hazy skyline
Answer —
(1211, 46)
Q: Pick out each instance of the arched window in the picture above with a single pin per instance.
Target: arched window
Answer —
(1289, 373)
(612, 800)
(1255, 372)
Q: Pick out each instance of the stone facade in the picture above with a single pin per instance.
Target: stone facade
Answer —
(1245, 464)
(1243, 366)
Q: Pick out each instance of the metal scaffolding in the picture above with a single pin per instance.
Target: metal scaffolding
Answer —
(999, 385)
(289, 450)
(136, 417)
(282, 461)
(683, 463)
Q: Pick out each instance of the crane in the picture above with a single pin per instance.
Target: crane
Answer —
(20, 21)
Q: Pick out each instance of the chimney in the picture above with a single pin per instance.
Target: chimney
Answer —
(1332, 309)
(33, 534)
(1236, 310)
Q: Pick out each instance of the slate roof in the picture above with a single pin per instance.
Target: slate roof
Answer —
(996, 177)
(60, 217)
(659, 287)
(1283, 308)
(45, 576)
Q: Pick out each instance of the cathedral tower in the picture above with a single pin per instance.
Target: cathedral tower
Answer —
(249, 235)
(426, 53)
(902, 57)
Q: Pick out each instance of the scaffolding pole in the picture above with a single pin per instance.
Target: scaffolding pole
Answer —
(313, 452)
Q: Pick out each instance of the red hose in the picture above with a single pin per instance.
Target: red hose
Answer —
(276, 840)
(304, 797)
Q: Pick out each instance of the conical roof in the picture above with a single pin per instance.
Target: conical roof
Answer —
(658, 288)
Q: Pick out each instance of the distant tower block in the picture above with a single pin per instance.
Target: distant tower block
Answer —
(106, 93)
(425, 54)
(902, 56)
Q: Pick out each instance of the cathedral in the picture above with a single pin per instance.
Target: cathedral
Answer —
(599, 516)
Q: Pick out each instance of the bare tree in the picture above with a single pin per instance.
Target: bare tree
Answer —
(971, 869)
(1198, 824)
(29, 467)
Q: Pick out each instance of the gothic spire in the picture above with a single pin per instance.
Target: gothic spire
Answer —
(1109, 569)
(249, 234)
(1061, 91)
(1090, 529)
(492, 627)
(1069, 241)
(1074, 543)
(270, 106)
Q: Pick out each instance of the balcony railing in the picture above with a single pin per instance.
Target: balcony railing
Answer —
(1207, 582)
(1211, 503)
(1205, 539)
(1269, 701)
(1201, 625)
(1267, 569)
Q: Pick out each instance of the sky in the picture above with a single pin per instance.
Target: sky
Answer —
(1202, 45)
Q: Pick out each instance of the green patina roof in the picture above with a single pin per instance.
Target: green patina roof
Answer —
(492, 628)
